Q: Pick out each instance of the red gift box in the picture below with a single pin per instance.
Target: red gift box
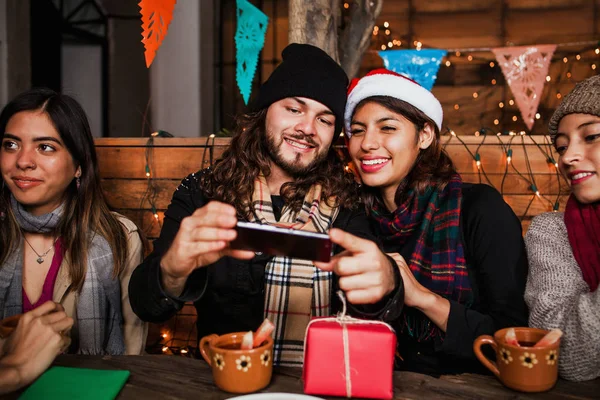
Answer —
(349, 357)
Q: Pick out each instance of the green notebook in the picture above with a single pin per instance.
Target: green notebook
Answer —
(63, 383)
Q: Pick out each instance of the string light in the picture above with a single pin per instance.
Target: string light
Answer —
(514, 118)
(493, 81)
(164, 349)
(165, 335)
(492, 64)
(457, 54)
(578, 57)
(476, 133)
(569, 75)
(537, 116)
(553, 162)
(386, 24)
(565, 60)
(448, 63)
(147, 171)
(496, 122)
(535, 190)
(346, 6)
(478, 160)
(511, 102)
(558, 95)
(548, 78)
(470, 58)
(597, 51)
(453, 133)
(456, 106)
(593, 66)
(475, 95)
(501, 105)
(387, 32)
(508, 156)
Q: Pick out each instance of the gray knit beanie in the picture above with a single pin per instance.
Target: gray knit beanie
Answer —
(583, 99)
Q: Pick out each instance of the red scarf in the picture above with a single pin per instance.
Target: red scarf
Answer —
(583, 228)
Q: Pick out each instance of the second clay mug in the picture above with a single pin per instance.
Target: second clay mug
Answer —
(236, 370)
(524, 368)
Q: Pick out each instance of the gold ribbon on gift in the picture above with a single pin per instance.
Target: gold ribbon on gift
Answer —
(344, 320)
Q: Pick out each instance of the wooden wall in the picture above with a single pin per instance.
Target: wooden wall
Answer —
(123, 169)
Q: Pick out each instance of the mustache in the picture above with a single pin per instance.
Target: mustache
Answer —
(302, 137)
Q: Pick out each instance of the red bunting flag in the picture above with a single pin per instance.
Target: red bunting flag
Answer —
(156, 17)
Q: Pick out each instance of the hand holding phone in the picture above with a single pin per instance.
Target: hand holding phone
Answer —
(273, 240)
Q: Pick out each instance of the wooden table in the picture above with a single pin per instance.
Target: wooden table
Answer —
(175, 377)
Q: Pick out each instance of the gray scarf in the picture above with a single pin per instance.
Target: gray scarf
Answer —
(99, 316)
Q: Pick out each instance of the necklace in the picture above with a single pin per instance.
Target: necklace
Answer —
(40, 258)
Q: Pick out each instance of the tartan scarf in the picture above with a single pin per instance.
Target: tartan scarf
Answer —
(438, 260)
(295, 290)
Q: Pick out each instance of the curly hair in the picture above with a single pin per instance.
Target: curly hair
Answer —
(231, 179)
(433, 166)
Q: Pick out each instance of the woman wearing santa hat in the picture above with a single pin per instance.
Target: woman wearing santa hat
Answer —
(459, 246)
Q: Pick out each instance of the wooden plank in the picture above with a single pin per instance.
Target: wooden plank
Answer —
(132, 194)
(165, 162)
(535, 26)
(473, 25)
(542, 5)
(453, 6)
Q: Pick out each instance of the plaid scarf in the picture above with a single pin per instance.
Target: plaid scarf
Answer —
(438, 260)
(295, 290)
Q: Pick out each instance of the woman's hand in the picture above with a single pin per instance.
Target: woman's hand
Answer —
(365, 273)
(33, 345)
(434, 306)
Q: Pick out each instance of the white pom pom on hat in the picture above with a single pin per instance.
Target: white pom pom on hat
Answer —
(383, 82)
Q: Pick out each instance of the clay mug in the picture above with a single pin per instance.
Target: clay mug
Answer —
(8, 325)
(236, 370)
(524, 368)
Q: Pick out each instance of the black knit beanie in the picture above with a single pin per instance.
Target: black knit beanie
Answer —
(306, 71)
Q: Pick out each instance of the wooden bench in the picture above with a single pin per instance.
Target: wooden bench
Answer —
(140, 175)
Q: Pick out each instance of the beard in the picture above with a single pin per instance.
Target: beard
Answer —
(294, 167)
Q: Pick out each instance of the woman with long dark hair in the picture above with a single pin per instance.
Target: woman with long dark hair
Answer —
(458, 245)
(564, 248)
(58, 239)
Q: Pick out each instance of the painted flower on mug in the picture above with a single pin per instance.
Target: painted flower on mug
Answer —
(219, 361)
(243, 363)
(265, 358)
(506, 357)
(551, 357)
(528, 360)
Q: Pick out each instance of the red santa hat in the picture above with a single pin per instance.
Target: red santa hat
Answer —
(382, 82)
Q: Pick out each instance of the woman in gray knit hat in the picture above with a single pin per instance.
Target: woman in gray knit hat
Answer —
(564, 248)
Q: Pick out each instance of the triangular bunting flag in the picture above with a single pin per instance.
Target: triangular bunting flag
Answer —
(156, 17)
(419, 65)
(249, 41)
(525, 69)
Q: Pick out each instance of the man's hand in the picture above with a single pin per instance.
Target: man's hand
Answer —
(203, 238)
(366, 274)
(33, 345)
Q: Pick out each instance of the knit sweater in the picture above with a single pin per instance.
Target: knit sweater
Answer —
(558, 297)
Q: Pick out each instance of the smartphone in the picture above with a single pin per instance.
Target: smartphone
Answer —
(278, 241)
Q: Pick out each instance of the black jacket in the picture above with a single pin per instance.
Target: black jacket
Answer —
(497, 265)
(229, 294)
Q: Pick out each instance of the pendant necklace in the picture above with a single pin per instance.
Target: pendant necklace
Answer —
(40, 258)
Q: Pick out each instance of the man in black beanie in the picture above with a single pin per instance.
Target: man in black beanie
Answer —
(279, 169)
